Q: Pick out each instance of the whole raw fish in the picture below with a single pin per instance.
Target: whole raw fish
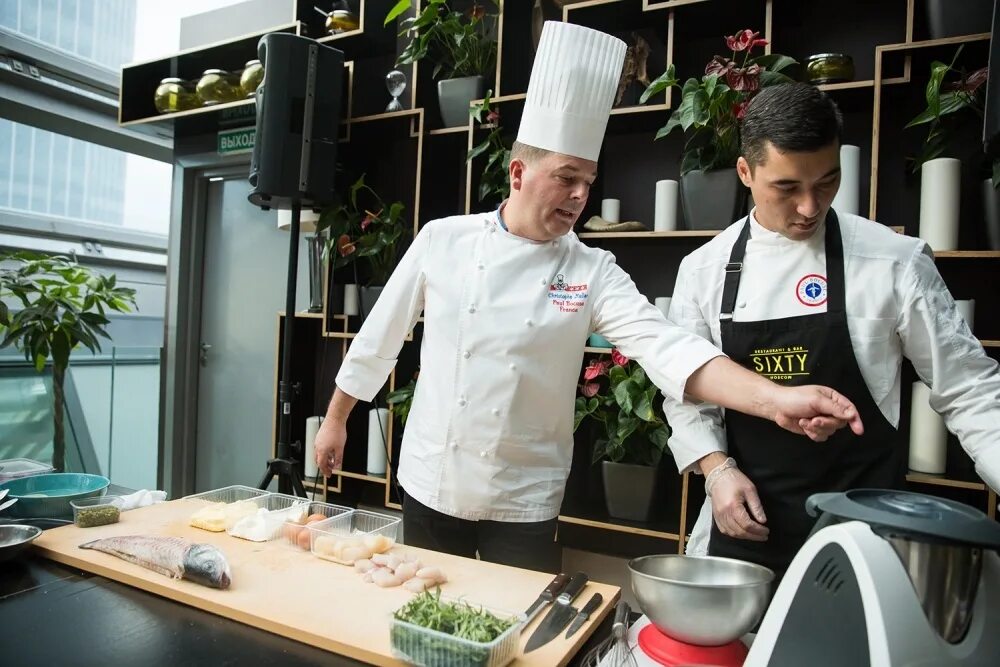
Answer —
(173, 556)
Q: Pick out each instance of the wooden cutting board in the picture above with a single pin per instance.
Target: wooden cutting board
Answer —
(288, 591)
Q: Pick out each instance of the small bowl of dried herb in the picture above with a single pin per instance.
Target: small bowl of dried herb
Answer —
(440, 632)
(91, 512)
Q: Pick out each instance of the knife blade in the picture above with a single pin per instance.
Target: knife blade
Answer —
(581, 617)
(550, 593)
(559, 616)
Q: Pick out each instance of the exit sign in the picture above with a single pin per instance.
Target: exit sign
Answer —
(233, 142)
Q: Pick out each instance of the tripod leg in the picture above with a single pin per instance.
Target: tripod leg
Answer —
(268, 476)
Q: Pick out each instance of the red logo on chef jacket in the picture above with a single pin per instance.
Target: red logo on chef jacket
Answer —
(568, 298)
(811, 290)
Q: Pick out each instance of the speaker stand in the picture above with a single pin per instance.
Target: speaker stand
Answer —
(284, 466)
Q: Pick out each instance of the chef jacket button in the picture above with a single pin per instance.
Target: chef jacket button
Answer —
(453, 444)
(472, 308)
(555, 243)
(496, 412)
(486, 223)
(483, 453)
(513, 367)
(545, 281)
(481, 266)
(462, 402)
(743, 304)
(492, 230)
(466, 354)
(528, 323)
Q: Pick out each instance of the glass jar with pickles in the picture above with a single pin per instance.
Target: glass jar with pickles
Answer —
(174, 94)
(252, 76)
(217, 86)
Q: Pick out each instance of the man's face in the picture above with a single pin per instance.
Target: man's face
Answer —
(793, 191)
(553, 192)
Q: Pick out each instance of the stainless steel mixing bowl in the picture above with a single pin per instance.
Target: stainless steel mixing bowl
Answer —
(701, 600)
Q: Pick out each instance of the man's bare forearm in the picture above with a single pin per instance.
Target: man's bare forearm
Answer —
(726, 383)
(340, 406)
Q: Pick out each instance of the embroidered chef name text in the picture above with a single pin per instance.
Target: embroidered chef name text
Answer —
(781, 363)
(568, 298)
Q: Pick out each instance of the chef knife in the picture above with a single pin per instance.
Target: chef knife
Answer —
(550, 593)
(559, 616)
(581, 617)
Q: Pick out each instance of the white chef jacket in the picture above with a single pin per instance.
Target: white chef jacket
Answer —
(897, 305)
(490, 431)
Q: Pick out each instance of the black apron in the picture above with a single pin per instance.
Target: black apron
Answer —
(787, 468)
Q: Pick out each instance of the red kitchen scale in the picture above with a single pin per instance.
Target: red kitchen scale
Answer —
(666, 650)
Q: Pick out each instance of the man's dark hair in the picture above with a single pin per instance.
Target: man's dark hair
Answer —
(795, 117)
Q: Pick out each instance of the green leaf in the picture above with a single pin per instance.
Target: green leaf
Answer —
(617, 374)
(666, 80)
(396, 10)
(626, 427)
(659, 436)
(769, 78)
(775, 62)
(624, 392)
(478, 150)
(996, 173)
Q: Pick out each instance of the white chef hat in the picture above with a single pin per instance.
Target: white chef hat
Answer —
(573, 84)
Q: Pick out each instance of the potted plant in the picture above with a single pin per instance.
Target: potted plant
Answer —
(363, 227)
(710, 111)
(949, 104)
(63, 305)
(620, 398)
(462, 46)
(494, 183)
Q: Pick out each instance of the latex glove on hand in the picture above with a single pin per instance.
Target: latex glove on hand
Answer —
(732, 495)
(815, 411)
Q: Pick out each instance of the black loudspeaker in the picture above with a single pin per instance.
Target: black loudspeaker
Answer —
(298, 116)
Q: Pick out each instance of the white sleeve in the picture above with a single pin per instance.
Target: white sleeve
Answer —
(667, 353)
(373, 352)
(696, 429)
(964, 382)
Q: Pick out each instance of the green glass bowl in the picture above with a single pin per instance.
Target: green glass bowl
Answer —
(48, 496)
(829, 68)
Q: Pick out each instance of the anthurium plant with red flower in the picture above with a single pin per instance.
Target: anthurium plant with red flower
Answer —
(495, 180)
(711, 107)
(945, 101)
(362, 227)
(618, 394)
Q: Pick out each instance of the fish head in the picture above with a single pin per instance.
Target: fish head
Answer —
(206, 565)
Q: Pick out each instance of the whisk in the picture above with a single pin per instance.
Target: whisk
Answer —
(614, 651)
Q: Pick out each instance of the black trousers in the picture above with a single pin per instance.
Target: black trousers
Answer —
(531, 546)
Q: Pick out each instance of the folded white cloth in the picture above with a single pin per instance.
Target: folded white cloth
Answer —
(140, 499)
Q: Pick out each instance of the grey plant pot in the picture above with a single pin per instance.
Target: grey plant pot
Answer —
(629, 490)
(369, 295)
(454, 96)
(712, 199)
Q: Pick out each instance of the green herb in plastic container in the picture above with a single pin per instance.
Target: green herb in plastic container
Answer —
(435, 632)
(92, 512)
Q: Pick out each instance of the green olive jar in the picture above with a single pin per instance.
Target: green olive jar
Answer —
(829, 68)
(253, 75)
(173, 95)
(217, 86)
(341, 20)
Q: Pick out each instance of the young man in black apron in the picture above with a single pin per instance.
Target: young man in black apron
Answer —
(802, 295)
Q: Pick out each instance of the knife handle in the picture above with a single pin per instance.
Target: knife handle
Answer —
(574, 587)
(592, 604)
(555, 587)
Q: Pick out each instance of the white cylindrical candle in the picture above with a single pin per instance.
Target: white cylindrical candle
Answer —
(928, 434)
(351, 299)
(611, 210)
(663, 304)
(847, 197)
(312, 428)
(940, 193)
(968, 310)
(378, 431)
(665, 210)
